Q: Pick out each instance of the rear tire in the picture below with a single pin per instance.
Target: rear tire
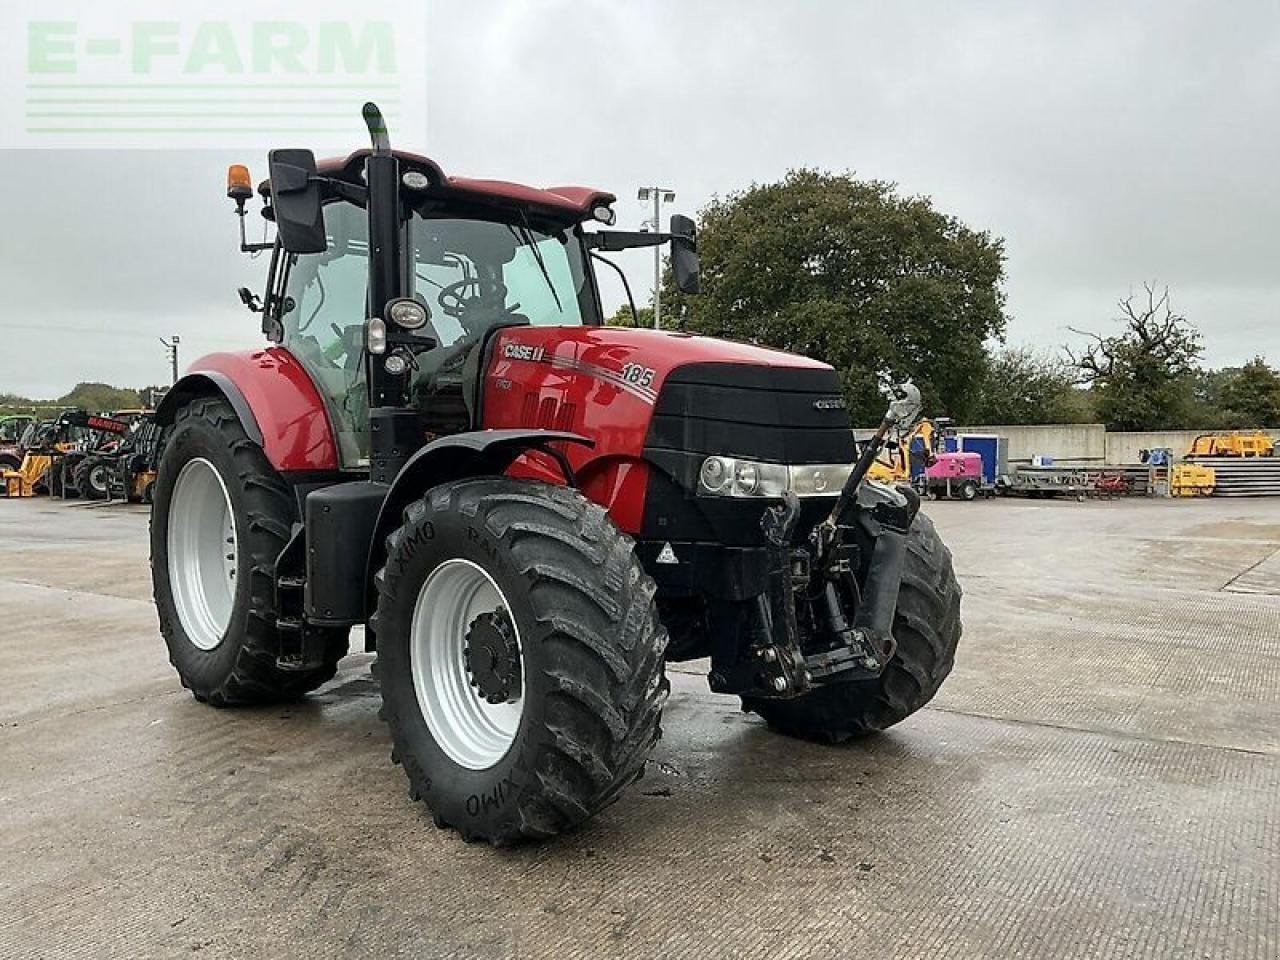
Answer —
(969, 491)
(237, 663)
(581, 623)
(927, 628)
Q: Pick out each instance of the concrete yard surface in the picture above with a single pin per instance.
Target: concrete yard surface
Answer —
(1100, 777)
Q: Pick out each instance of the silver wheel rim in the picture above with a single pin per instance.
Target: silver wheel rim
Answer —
(473, 733)
(98, 479)
(202, 553)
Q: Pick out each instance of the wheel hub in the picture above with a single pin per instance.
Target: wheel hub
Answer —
(492, 655)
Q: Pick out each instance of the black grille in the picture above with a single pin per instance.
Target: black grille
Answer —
(779, 414)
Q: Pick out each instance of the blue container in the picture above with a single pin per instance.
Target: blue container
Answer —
(986, 446)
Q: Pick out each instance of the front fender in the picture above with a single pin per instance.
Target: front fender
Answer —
(480, 453)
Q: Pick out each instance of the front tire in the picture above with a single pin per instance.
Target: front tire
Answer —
(92, 479)
(222, 514)
(927, 627)
(520, 657)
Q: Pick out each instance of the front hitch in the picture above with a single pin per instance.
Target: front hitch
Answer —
(820, 577)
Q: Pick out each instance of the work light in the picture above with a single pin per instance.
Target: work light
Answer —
(375, 335)
(407, 314)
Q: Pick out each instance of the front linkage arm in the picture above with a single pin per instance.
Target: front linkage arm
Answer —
(820, 575)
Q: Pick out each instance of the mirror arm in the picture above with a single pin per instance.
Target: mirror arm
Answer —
(613, 241)
(352, 192)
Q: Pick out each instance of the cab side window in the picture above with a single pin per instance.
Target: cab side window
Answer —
(323, 323)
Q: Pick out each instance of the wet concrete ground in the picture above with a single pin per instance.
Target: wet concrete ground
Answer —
(1100, 777)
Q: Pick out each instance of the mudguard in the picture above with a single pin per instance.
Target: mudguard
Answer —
(205, 384)
(275, 399)
(479, 453)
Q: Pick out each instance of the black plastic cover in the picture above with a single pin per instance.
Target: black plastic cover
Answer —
(340, 521)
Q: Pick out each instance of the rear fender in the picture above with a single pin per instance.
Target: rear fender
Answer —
(481, 453)
(275, 400)
(209, 383)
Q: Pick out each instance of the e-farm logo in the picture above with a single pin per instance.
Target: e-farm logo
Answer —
(141, 74)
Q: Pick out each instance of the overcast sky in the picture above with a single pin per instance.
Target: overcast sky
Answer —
(1108, 143)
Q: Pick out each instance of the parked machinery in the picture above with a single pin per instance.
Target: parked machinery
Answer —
(47, 446)
(952, 475)
(11, 431)
(127, 472)
(1233, 443)
(75, 480)
(919, 457)
(528, 510)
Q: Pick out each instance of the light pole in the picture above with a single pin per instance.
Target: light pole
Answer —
(660, 195)
(171, 348)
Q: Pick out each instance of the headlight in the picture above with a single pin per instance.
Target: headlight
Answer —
(733, 477)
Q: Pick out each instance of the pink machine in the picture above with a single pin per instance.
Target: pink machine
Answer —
(954, 475)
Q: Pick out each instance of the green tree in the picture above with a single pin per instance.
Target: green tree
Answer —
(1023, 386)
(1144, 377)
(622, 317)
(1250, 395)
(99, 396)
(881, 286)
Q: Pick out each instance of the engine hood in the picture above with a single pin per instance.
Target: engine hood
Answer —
(656, 401)
(635, 360)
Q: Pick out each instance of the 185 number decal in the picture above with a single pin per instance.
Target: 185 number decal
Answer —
(638, 375)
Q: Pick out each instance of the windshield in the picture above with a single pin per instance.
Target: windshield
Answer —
(474, 274)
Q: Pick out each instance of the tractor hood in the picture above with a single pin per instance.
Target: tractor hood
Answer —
(632, 390)
(635, 360)
(655, 405)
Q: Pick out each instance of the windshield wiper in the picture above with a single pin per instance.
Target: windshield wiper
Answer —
(525, 235)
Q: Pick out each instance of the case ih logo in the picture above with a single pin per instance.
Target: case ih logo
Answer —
(829, 403)
(522, 351)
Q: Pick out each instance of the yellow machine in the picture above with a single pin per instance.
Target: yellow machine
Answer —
(1235, 443)
(33, 476)
(894, 463)
(1191, 480)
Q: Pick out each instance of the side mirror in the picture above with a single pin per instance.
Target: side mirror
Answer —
(295, 198)
(684, 254)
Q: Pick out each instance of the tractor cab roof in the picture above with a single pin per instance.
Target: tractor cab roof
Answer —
(571, 203)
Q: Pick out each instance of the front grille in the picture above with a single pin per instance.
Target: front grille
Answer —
(778, 414)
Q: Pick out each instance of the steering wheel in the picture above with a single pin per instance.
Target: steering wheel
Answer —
(457, 298)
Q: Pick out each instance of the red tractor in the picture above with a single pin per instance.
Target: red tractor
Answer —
(529, 512)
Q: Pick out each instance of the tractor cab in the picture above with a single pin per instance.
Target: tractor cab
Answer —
(466, 276)
(456, 260)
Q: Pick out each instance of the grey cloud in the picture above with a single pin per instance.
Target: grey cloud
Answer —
(1108, 143)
